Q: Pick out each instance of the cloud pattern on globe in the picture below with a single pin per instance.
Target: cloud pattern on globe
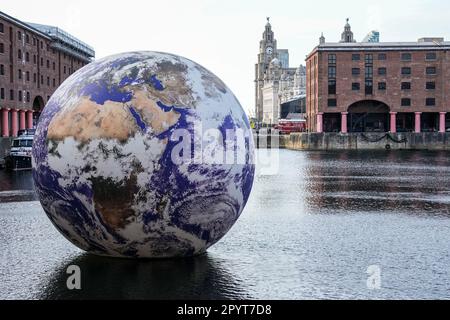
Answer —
(103, 157)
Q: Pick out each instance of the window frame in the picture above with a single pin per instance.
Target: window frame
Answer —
(406, 88)
(332, 103)
(428, 85)
(332, 86)
(431, 68)
(406, 102)
(406, 56)
(332, 70)
(331, 58)
(434, 58)
(409, 73)
(356, 86)
(368, 87)
(430, 102)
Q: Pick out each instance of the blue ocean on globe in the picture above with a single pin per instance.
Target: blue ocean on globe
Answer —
(129, 157)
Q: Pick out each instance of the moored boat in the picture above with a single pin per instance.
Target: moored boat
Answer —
(19, 157)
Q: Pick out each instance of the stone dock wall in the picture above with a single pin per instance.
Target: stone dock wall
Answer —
(356, 141)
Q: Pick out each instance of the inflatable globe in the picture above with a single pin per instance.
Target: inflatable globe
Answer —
(143, 155)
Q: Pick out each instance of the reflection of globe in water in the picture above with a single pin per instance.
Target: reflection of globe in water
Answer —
(104, 149)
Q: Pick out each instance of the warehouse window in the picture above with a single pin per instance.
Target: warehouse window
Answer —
(431, 85)
(356, 86)
(431, 71)
(19, 95)
(332, 72)
(406, 71)
(429, 102)
(2, 30)
(27, 57)
(406, 57)
(19, 73)
(356, 57)
(381, 86)
(406, 85)
(19, 54)
(19, 35)
(355, 71)
(2, 93)
(332, 86)
(406, 102)
(11, 95)
(28, 97)
(431, 56)
(332, 102)
(382, 71)
(28, 75)
(369, 86)
(331, 58)
(2, 70)
(2, 48)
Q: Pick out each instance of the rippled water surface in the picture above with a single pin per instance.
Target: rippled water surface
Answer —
(308, 232)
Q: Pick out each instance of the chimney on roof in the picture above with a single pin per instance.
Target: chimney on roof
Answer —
(322, 39)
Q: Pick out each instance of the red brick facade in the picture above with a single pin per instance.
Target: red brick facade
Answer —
(31, 69)
(389, 64)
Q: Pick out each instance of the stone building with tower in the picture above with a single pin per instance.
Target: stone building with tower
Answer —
(277, 86)
(378, 86)
(34, 60)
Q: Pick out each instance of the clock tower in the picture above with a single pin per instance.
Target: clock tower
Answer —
(267, 52)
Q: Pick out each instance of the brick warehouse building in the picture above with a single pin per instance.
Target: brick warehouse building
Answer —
(379, 87)
(34, 60)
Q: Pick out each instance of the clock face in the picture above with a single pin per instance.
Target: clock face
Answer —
(269, 50)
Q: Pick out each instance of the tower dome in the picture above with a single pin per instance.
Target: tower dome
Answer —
(347, 35)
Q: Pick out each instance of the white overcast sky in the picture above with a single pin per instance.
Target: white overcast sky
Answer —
(223, 35)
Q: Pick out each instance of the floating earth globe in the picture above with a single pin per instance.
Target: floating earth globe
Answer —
(143, 155)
